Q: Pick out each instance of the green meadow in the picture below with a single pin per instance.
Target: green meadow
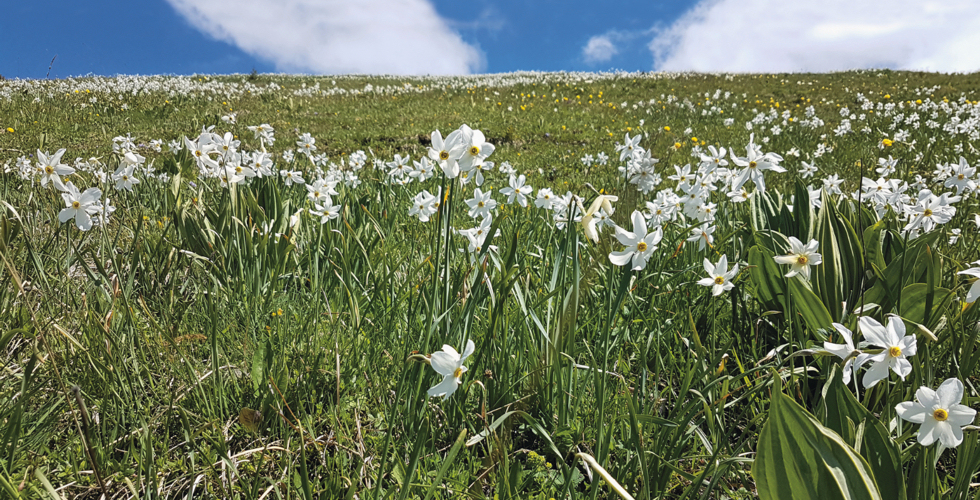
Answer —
(212, 336)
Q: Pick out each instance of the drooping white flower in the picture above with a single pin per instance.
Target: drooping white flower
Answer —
(590, 216)
(719, 277)
(852, 356)
(449, 363)
(800, 257)
(896, 346)
(941, 416)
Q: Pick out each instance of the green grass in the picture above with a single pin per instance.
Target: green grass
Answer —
(177, 315)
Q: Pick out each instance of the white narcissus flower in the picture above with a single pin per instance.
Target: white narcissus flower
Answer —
(424, 205)
(719, 277)
(591, 216)
(971, 296)
(517, 191)
(441, 152)
(471, 149)
(800, 257)
(124, 178)
(480, 204)
(639, 244)
(853, 358)
(896, 346)
(51, 168)
(941, 416)
(80, 206)
(449, 363)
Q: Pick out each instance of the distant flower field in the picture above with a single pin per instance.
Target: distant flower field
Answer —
(532, 285)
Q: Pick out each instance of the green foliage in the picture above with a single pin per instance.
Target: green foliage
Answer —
(797, 457)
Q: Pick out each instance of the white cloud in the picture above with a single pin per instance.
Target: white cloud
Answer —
(334, 36)
(804, 35)
(599, 49)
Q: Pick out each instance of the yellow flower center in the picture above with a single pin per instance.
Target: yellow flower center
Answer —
(474, 150)
(802, 260)
(961, 177)
(49, 169)
(443, 155)
(720, 280)
(76, 205)
(641, 246)
(238, 170)
(480, 204)
(940, 414)
(458, 373)
(752, 164)
(927, 213)
(895, 351)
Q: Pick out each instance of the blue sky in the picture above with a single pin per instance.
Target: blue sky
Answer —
(112, 37)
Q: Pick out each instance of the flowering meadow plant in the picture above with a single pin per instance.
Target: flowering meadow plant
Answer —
(243, 278)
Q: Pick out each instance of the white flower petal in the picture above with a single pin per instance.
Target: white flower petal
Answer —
(445, 388)
(444, 363)
(913, 412)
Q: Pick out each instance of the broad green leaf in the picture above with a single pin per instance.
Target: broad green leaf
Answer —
(916, 299)
(800, 459)
(837, 279)
(809, 306)
(770, 286)
(843, 414)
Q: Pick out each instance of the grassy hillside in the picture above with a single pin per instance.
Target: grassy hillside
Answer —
(213, 331)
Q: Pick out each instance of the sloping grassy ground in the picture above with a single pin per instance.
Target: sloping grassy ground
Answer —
(177, 315)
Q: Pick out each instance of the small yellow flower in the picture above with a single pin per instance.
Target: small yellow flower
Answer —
(888, 96)
(10, 129)
(666, 129)
(694, 139)
(677, 145)
(887, 142)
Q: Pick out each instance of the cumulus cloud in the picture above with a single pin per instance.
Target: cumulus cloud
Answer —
(334, 36)
(802, 35)
(599, 49)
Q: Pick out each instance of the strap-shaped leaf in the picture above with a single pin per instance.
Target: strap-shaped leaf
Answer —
(800, 459)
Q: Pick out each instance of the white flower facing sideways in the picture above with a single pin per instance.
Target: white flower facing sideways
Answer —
(971, 296)
(639, 244)
(896, 346)
(719, 277)
(449, 363)
(852, 356)
(941, 416)
(800, 257)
